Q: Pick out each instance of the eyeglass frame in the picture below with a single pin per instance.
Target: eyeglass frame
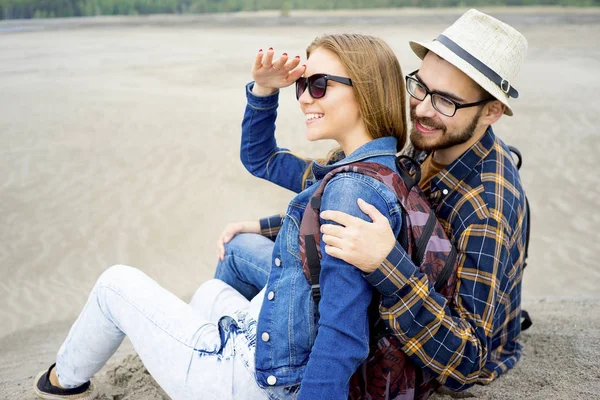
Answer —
(339, 79)
(457, 106)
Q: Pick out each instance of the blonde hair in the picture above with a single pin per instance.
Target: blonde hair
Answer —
(377, 83)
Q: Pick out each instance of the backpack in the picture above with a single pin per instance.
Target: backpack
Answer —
(388, 373)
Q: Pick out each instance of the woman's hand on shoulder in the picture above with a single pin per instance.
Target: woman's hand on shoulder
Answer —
(270, 75)
(358, 242)
(233, 229)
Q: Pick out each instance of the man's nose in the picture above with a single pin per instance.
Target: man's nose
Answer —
(424, 107)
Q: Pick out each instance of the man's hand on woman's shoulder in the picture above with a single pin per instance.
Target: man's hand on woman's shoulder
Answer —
(363, 244)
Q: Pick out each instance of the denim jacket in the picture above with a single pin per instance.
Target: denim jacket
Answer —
(292, 345)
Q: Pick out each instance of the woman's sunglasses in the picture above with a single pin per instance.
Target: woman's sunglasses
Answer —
(317, 84)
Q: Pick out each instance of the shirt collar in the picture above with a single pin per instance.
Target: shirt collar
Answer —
(385, 146)
(448, 178)
(458, 170)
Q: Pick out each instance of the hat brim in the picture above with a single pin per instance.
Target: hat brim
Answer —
(421, 49)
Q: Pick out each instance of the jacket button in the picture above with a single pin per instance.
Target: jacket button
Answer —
(278, 262)
(271, 380)
(445, 191)
(265, 337)
(271, 295)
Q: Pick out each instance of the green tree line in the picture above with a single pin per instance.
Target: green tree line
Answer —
(11, 9)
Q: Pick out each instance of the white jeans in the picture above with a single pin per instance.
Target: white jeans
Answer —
(180, 344)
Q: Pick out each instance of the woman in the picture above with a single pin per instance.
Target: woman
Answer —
(221, 345)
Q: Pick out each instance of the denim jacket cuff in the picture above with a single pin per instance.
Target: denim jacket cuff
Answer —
(393, 273)
(261, 102)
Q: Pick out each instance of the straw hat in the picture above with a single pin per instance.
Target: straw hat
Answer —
(487, 50)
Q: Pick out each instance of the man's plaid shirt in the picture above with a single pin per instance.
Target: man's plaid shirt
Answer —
(480, 203)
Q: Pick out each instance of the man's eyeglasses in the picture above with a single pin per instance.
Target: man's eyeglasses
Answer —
(317, 84)
(441, 103)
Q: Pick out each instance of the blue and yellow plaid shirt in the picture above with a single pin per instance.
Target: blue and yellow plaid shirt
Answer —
(480, 203)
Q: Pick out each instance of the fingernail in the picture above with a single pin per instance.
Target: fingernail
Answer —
(260, 50)
(297, 57)
(284, 54)
(270, 48)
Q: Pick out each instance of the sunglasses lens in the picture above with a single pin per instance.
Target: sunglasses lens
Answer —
(317, 87)
(300, 87)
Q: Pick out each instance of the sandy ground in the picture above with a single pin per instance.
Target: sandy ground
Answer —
(119, 140)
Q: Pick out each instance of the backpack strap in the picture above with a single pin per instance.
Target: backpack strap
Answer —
(446, 273)
(516, 152)
(526, 319)
(421, 244)
(527, 232)
(313, 254)
(409, 180)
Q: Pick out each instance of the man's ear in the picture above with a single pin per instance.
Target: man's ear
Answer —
(492, 112)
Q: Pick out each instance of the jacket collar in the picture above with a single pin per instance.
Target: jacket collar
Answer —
(385, 146)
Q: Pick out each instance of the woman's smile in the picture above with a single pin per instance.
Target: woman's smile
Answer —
(313, 117)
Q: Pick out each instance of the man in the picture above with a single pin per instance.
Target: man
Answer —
(461, 89)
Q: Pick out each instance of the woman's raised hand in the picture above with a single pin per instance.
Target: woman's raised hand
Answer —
(270, 75)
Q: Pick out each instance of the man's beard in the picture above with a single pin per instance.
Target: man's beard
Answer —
(448, 139)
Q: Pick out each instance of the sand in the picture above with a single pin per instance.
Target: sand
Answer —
(120, 145)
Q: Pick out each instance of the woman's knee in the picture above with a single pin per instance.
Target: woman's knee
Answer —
(244, 243)
(250, 247)
(208, 289)
(118, 275)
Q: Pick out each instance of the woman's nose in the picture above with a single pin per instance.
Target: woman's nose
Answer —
(305, 97)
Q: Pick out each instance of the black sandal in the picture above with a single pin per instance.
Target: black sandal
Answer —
(44, 389)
